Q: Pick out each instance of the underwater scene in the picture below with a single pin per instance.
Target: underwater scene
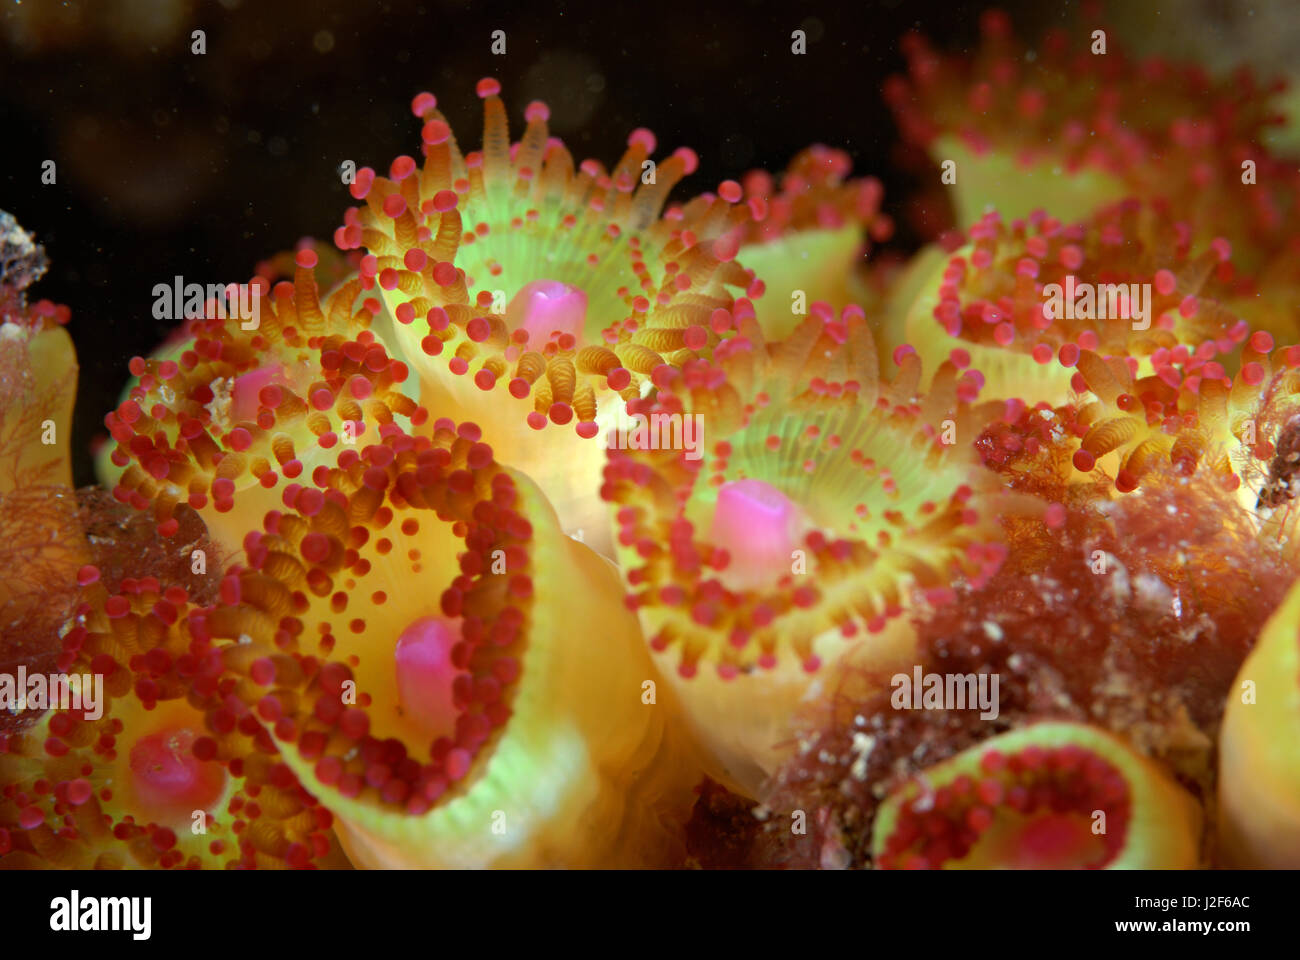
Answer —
(443, 436)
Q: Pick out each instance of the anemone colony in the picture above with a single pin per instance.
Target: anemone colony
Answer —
(365, 584)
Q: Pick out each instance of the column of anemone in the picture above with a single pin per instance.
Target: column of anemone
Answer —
(1259, 763)
(1188, 412)
(1071, 131)
(1046, 796)
(38, 384)
(822, 504)
(224, 420)
(437, 695)
(41, 542)
(135, 782)
(1006, 297)
(810, 235)
(528, 291)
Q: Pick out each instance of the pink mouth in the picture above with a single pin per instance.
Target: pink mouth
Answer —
(757, 525)
(545, 308)
(425, 673)
(169, 780)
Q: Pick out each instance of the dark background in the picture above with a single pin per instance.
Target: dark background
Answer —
(170, 163)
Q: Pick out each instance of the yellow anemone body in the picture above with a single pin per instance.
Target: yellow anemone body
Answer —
(1259, 750)
(1164, 825)
(584, 775)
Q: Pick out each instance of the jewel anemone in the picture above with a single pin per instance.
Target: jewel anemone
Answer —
(992, 298)
(1072, 130)
(532, 294)
(237, 410)
(822, 498)
(142, 785)
(1046, 796)
(1189, 412)
(117, 783)
(403, 632)
(810, 235)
